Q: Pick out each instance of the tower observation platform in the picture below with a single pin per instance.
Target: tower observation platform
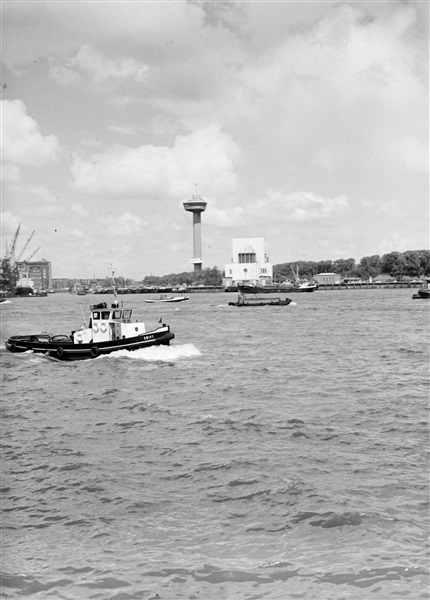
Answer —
(196, 205)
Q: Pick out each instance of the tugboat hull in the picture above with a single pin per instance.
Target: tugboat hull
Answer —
(63, 348)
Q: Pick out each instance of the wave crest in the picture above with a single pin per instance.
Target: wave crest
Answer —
(158, 353)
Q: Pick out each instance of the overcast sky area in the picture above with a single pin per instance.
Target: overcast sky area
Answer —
(305, 123)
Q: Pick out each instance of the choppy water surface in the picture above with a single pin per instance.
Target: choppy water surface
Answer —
(267, 453)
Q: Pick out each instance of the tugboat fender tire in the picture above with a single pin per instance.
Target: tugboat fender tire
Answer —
(60, 352)
(12, 347)
(95, 351)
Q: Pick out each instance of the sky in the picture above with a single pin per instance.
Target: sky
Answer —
(305, 123)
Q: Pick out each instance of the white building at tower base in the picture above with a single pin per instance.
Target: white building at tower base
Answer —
(249, 264)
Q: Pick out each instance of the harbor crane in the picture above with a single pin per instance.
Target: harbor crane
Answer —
(31, 255)
(10, 270)
(10, 252)
(25, 246)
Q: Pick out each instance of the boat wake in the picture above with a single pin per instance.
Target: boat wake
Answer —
(158, 353)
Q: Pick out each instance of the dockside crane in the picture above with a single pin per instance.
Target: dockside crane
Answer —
(25, 246)
(31, 255)
(10, 252)
(9, 270)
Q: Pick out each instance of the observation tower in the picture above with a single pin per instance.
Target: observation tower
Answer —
(196, 205)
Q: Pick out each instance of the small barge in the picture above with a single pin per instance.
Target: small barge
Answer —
(255, 301)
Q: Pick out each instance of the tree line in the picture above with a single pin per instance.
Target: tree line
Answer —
(206, 277)
(412, 263)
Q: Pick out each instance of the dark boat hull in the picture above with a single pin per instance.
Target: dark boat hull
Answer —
(259, 302)
(422, 294)
(62, 348)
(249, 289)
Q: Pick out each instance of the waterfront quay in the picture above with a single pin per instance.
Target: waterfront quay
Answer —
(285, 290)
(321, 287)
(278, 289)
(370, 286)
(393, 285)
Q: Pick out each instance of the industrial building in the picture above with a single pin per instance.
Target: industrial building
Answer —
(249, 264)
(23, 276)
(327, 278)
(36, 275)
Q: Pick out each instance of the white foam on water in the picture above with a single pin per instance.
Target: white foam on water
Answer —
(158, 353)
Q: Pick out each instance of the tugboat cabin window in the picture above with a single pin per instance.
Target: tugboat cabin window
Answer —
(117, 314)
(105, 315)
(127, 314)
(96, 316)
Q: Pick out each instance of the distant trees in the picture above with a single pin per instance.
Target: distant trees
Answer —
(204, 277)
(122, 281)
(370, 266)
(307, 269)
(412, 263)
(343, 266)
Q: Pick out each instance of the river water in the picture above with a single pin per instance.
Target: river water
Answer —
(268, 453)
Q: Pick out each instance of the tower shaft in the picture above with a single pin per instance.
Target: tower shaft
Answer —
(196, 205)
(197, 240)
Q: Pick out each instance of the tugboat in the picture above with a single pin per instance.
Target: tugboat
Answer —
(424, 292)
(109, 329)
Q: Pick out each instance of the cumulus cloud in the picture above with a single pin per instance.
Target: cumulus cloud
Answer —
(88, 62)
(411, 154)
(333, 94)
(42, 211)
(330, 97)
(123, 225)
(297, 206)
(78, 233)
(9, 223)
(121, 130)
(35, 194)
(10, 174)
(224, 217)
(79, 210)
(21, 140)
(205, 156)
